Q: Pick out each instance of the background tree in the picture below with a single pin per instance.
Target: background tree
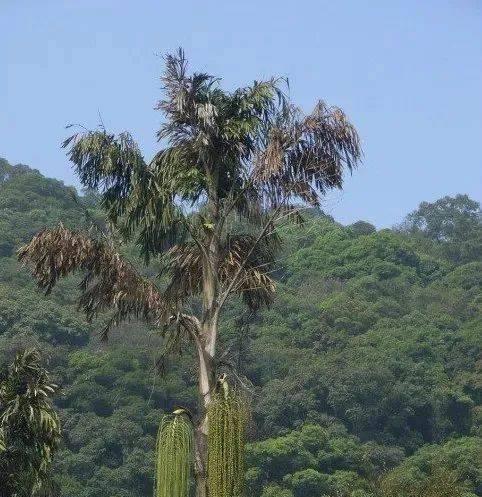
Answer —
(247, 154)
(454, 224)
(446, 219)
(29, 427)
(452, 469)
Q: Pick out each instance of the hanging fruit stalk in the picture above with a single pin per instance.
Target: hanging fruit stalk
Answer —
(227, 415)
(174, 455)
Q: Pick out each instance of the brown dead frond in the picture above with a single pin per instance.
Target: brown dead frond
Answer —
(109, 282)
(254, 282)
(307, 155)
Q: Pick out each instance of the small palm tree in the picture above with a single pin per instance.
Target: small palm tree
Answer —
(247, 154)
(29, 428)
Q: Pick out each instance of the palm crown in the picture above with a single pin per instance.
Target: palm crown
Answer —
(248, 153)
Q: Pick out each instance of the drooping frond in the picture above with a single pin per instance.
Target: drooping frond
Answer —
(106, 163)
(251, 110)
(262, 151)
(254, 283)
(110, 282)
(137, 197)
(306, 156)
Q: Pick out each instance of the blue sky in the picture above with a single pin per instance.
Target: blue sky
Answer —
(408, 73)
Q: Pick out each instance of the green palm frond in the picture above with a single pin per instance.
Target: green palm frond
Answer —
(138, 198)
(2, 441)
(112, 164)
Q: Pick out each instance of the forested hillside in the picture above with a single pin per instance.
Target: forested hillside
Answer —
(365, 374)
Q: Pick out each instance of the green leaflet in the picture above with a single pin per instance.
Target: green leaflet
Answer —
(2, 441)
(227, 415)
(174, 455)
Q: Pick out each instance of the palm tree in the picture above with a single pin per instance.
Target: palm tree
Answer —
(248, 154)
(29, 428)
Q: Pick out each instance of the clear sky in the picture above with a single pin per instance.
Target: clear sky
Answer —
(407, 72)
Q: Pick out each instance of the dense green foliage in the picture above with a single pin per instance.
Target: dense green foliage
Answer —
(365, 371)
(451, 469)
(29, 428)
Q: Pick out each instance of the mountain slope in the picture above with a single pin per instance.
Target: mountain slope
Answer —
(370, 353)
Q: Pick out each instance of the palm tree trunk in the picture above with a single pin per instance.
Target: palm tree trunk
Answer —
(206, 342)
(201, 462)
(206, 379)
